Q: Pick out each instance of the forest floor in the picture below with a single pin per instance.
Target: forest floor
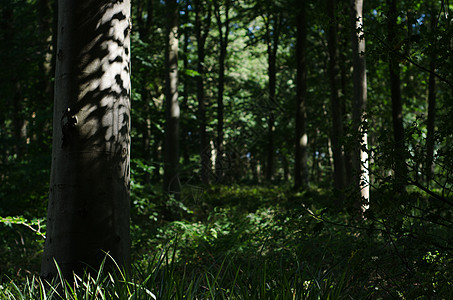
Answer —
(261, 242)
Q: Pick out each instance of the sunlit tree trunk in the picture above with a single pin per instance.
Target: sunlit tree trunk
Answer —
(300, 166)
(360, 154)
(337, 126)
(171, 147)
(88, 210)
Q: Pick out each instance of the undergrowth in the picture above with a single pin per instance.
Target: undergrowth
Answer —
(269, 243)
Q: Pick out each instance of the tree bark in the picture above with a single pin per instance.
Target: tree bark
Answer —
(360, 154)
(201, 32)
(89, 201)
(399, 165)
(223, 37)
(337, 126)
(18, 124)
(144, 23)
(185, 149)
(171, 146)
(300, 166)
(144, 17)
(272, 39)
(431, 122)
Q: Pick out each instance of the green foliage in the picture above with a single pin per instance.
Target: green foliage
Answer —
(20, 246)
(35, 225)
(246, 241)
(252, 242)
(270, 241)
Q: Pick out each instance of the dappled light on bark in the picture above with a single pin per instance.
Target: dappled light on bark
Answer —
(88, 213)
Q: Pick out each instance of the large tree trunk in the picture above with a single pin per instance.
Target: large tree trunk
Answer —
(337, 126)
(201, 32)
(300, 166)
(89, 201)
(399, 165)
(171, 147)
(223, 36)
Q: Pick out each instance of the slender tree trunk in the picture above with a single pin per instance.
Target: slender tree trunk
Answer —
(300, 166)
(145, 10)
(272, 36)
(47, 28)
(45, 25)
(88, 212)
(144, 17)
(337, 126)
(397, 108)
(223, 36)
(171, 146)
(185, 90)
(147, 133)
(360, 154)
(430, 123)
(344, 94)
(429, 167)
(18, 124)
(201, 31)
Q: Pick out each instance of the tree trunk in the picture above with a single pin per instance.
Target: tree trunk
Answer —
(430, 123)
(337, 126)
(360, 155)
(47, 26)
(144, 18)
(184, 130)
(201, 31)
(300, 166)
(219, 168)
(89, 201)
(344, 94)
(20, 125)
(17, 120)
(272, 36)
(171, 146)
(399, 165)
(147, 133)
(429, 167)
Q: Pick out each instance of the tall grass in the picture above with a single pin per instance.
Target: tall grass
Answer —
(164, 279)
